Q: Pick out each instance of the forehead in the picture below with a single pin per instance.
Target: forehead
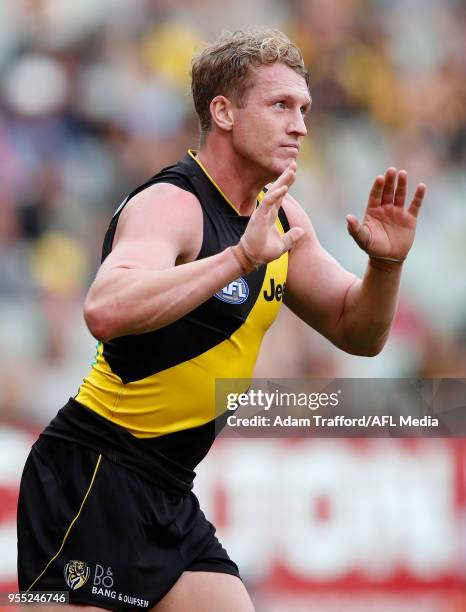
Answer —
(275, 79)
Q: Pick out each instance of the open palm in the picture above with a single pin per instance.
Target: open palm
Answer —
(388, 227)
(262, 241)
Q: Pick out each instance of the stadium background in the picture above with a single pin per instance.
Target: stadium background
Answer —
(94, 98)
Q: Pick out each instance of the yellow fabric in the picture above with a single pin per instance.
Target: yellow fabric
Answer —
(182, 396)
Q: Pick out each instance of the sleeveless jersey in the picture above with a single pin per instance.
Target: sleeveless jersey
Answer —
(162, 383)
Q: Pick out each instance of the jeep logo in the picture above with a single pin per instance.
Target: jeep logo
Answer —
(274, 292)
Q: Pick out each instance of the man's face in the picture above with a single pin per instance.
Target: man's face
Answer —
(268, 131)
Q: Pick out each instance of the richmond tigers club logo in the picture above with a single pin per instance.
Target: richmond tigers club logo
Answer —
(76, 574)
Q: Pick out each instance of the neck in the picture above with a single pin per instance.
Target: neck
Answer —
(240, 182)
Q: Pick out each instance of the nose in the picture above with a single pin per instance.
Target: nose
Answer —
(297, 126)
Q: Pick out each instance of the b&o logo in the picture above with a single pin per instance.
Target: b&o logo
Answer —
(102, 577)
(76, 574)
(234, 293)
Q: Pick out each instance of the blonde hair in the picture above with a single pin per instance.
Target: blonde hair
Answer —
(224, 67)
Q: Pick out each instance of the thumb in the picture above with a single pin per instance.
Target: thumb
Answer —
(291, 238)
(360, 233)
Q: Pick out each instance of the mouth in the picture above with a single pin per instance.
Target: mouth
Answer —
(292, 148)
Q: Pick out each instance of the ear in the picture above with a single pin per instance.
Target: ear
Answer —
(221, 112)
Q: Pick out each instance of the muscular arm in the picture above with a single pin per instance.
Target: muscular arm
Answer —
(355, 314)
(150, 278)
(139, 288)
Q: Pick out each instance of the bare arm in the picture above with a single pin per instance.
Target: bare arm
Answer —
(355, 314)
(150, 278)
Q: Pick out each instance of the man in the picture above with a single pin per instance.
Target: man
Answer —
(193, 273)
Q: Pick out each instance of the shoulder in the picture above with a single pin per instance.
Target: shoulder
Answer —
(160, 201)
(163, 210)
(297, 216)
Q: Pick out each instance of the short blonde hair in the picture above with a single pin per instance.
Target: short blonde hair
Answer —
(224, 67)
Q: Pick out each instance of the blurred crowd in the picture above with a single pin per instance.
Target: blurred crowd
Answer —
(94, 99)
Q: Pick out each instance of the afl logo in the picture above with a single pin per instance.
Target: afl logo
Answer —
(235, 293)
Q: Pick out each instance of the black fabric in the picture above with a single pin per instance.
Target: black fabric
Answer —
(137, 356)
(131, 539)
(283, 219)
(167, 461)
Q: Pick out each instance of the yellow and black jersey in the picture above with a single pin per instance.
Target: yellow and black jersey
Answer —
(161, 384)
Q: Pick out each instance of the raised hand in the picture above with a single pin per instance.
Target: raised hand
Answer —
(262, 242)
(388, 228)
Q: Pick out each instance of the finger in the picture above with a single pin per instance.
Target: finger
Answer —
(278, 189)
(375, 194)
(287, 177)
(270, 204)
(360, 233)
(291, 238)
(273, 196)
(416, 202)
(400, 193)
(389, 186)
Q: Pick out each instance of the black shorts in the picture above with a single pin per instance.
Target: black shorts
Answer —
(104, 533)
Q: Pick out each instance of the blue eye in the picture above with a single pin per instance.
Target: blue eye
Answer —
(280, 105)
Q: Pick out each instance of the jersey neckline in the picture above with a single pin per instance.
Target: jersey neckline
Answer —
(193, 155)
